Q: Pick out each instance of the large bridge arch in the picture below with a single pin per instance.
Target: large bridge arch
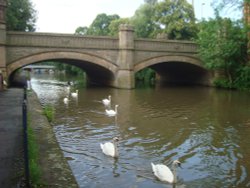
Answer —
(177, 69)
(98, 69)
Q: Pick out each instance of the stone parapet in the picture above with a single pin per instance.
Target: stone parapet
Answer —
(33, 39)
(165, 45)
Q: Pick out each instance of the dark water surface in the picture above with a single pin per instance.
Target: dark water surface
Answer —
(208, 130)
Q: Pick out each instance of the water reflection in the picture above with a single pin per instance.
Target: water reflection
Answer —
(206, 129)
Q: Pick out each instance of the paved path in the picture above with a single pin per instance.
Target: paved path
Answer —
(55, 169)
(11, 140)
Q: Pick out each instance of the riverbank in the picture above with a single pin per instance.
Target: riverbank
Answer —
(55, 169)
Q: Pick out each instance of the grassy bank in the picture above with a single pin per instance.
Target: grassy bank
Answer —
(48, 167)
(34, 168)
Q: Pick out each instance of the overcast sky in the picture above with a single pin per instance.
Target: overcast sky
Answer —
(64, 16)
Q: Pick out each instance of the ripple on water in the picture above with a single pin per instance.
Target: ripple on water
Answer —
(156, 125)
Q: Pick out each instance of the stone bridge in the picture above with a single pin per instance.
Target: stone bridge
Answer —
(106, 60)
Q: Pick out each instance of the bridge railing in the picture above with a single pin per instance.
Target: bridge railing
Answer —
(34, 39)
(165, 45)
(25, 139)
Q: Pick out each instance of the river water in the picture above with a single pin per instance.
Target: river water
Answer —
(206, 129)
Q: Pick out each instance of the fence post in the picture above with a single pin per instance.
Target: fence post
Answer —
(25, 139)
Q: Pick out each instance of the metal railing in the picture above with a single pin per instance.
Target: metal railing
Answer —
(25, 140)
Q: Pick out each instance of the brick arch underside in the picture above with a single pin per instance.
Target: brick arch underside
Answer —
(177, 69)
(98, 70)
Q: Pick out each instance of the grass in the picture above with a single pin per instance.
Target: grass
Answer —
(35, 170)
(49, 112)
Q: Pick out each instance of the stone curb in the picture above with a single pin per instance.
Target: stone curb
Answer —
(55, 169)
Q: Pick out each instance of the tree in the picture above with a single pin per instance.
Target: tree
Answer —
(20, 15)
(81, 30)
(114, 25)
(176, 19)
(100, 26)
(222, 46)
(143, 22)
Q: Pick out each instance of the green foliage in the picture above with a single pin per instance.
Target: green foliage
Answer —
(145, 76)
(68, 68)
(243, 79)
(20, 15)
(114, 25)
(49, 112)
(221, 41)
(81, 30)
(176, 19)
(222, 83)
(143, 22)
(35, 170)
(71, 69)
(100, 26)
(103, 25)
(222, 46)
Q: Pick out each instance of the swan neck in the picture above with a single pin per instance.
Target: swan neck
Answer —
(116, 150)
(174, 173)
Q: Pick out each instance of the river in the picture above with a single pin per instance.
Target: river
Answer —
(206, 129)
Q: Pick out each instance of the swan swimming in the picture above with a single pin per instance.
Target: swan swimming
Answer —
(66, 100)
(74, 94)
(112, 112)
(110, 148)
(163, 173)
(107, 102)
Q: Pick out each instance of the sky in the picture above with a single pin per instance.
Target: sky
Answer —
(64, 16)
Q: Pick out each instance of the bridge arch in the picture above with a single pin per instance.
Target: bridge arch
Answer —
(177, 69)
(97, 68)
(167, 58)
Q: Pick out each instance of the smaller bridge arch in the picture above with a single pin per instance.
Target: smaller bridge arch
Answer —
(98, 70)
(177, 69)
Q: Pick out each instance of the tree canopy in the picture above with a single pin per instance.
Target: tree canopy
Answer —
(20, 15)
(100, 26)
(222, 46)
(176, 18)
(143, 22)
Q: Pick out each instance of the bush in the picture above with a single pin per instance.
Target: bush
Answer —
(222, 83)
(243, 79)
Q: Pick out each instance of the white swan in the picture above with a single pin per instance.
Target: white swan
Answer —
(107, 102)
(110, 148)
(112, 112)
(66, 100)
(163, 173)
(74, 94)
